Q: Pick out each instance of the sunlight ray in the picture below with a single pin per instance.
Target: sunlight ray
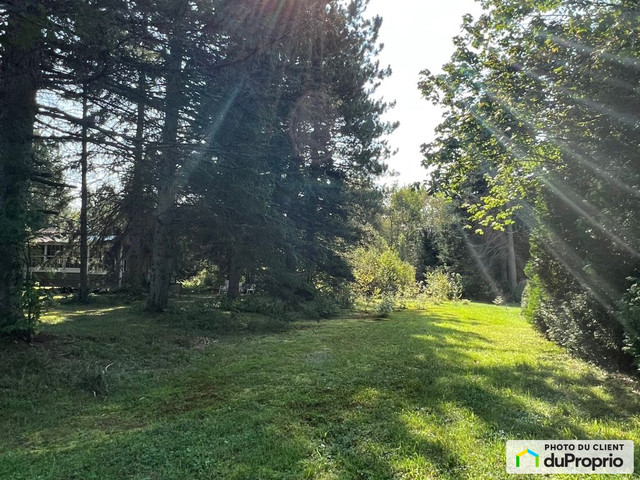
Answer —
(591, 72)
(519, 154)
(607, 176)
(558, 142)
(192, 161)
(581, 47)
(280, 13)
(567, 257)
(495, 289)
(564, 192)
(627, 119)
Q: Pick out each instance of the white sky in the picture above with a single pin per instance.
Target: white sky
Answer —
(416, 35)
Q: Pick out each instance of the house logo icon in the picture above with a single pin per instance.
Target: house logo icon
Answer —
(530, 452)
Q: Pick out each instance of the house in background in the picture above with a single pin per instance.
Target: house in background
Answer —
(54, 260)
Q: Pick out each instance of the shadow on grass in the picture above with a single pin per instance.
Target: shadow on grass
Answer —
(367, 400)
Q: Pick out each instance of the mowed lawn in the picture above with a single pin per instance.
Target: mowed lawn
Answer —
(108, 392)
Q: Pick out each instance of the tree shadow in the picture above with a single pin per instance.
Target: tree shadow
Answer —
(439, 379)
(414, 392)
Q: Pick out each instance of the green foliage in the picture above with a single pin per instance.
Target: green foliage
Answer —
(33, 301)
(32, 304)
(480, 259)
(380, 271)
(206, 279)
(541, 131)
(532, 300)
(386, 306)
(629, 316)
(403, 220)
(323, 306)
(283, 194)
(286, 209)
(573, 318)
(440, 285)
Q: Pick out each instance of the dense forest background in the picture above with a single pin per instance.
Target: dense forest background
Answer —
(240, 140)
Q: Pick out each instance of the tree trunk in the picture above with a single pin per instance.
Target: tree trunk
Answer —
(84, 204)
(161, 266)
(234, 276)
(162, 255)
(20, 71)
(511, 264)
(136, 204)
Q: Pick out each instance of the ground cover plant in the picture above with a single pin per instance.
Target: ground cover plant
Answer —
(108, 391)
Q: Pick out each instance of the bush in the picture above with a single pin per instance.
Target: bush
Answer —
(321, 307)
(575, 307)
(34, 301)
(206, 279)
(532, 304)
(380, 271)
(441, 284)
(385, 307)
(577, 321)
(32, 305)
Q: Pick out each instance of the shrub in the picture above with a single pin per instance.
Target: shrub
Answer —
(576, 321)
(321, 307)
(385, 307)
(532, 304)
(33, 301)
(575, 312)
(32, 304)
(380, 271)
(206, 279)
(441, 284)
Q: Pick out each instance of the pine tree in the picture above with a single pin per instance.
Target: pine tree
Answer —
(20, 77)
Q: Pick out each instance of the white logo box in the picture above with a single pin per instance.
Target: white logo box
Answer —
(569, 456)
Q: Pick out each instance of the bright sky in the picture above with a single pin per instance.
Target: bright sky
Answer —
(416, 35)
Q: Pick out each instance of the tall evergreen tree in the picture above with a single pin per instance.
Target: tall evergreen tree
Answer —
(21, 46)
(285, 206)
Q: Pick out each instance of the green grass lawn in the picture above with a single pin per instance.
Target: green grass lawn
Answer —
(108, 392)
